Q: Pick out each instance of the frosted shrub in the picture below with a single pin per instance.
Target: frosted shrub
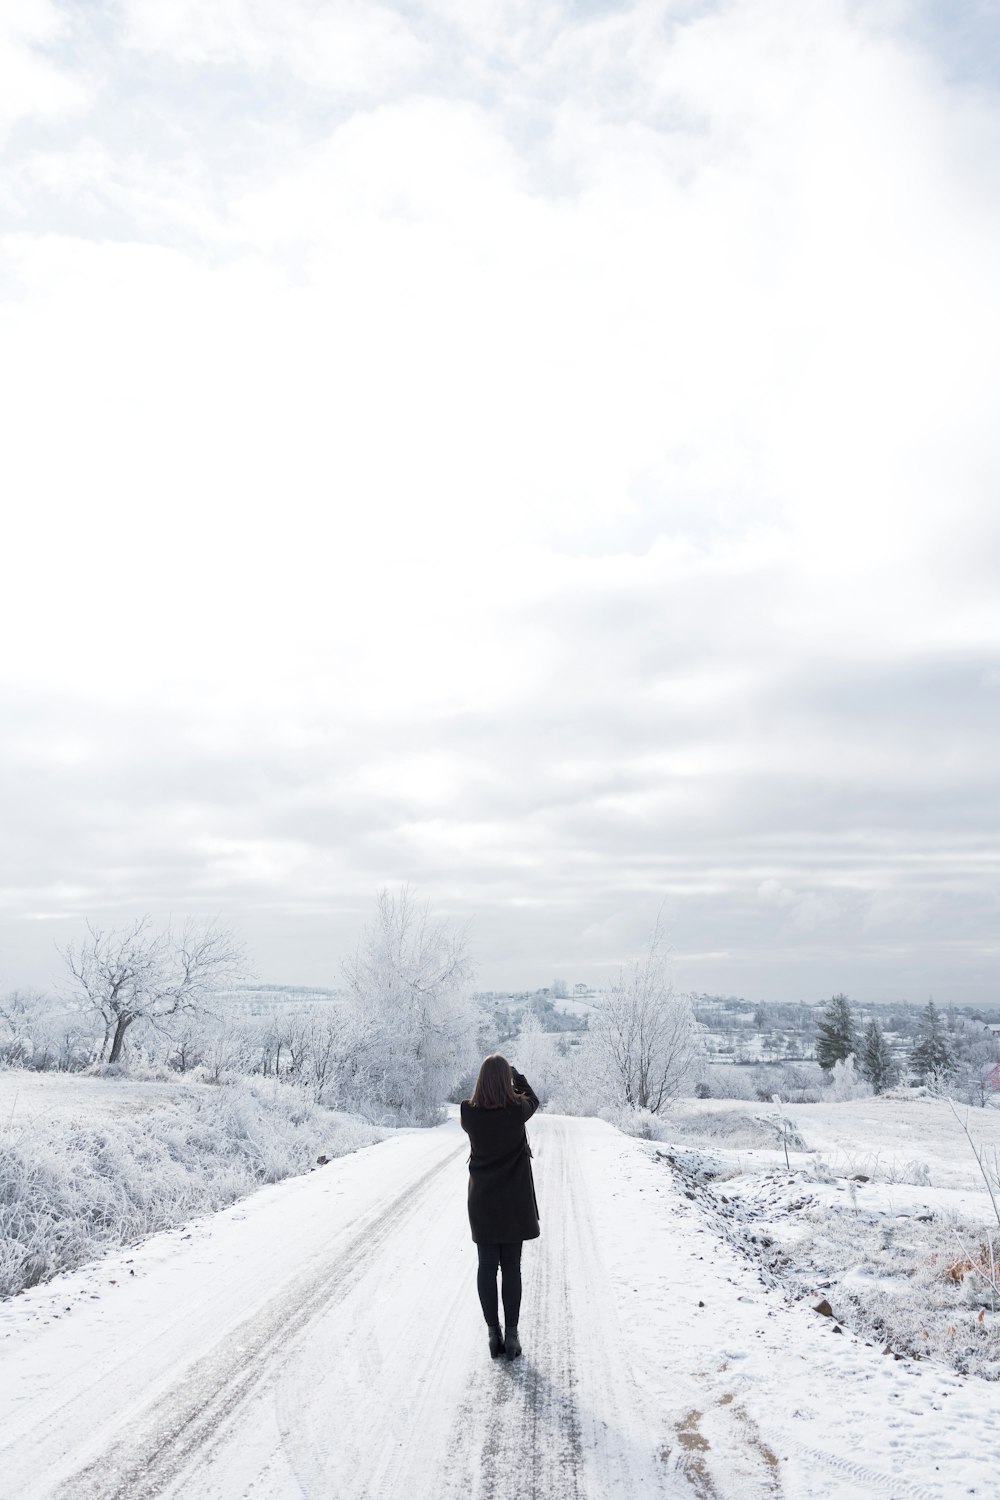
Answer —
(65, 1198)
(731, 1083)
(767, 1081)
(821, 1171)
(730, 1128)
(846, 1082)
(638, 1122)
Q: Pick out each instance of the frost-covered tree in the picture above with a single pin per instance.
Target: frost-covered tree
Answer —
(801, 1083)
(974, 1078)
(931, 1060)
(580, 1086)
(645, 1034)
(412, 1020)
(537, 1055)
(875, 1061)
(139, 973)
(43, 1032)
(975, 1056)
(21, 1028)
(187, 1050)
(836, 1034)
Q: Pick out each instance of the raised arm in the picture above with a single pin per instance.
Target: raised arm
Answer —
(530, 1101)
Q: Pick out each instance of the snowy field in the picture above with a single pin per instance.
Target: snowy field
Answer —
(323, 1338)
(882, 1137)
(74, 1101)
(881, 1210)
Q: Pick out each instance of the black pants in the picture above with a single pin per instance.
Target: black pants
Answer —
(508, 1258)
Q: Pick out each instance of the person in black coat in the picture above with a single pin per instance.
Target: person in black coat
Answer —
(503, 1209)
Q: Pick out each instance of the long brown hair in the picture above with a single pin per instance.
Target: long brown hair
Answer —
(495, 1084)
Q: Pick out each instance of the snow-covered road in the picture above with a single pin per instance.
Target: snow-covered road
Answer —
(323, 1339)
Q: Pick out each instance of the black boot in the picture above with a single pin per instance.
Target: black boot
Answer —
(496, 1341)
(512, 1343)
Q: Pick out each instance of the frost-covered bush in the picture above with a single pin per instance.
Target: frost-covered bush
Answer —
(68, 1196)
(638, 1122)
(797, 1083)
(138, 1069)
(735, 1128)
(846, 1082)
(729, 1128)
(731, 1082)
(820, 1170)
(873, 1166)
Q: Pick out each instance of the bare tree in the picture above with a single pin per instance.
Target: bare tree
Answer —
(139, 973)
(645, 1034)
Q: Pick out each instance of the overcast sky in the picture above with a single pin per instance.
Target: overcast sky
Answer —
(544, 452)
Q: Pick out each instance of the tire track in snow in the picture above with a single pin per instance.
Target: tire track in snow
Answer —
(621, 1433)
(875, 1483)
(186, 1417)
(388, 1387)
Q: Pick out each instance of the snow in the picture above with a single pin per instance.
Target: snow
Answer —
(76, 1100)
(880, 1136)
(324, 1338)
(889, 1220)
(574, 1007)
(886, 1133)
(87, 1166)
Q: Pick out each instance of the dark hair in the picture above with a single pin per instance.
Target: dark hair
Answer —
(495, 1084)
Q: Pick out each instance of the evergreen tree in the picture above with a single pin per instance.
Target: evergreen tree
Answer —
(876, 1065)
(931, 1059)
(836, 1034)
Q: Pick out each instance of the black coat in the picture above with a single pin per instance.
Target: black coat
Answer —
(502, 1203)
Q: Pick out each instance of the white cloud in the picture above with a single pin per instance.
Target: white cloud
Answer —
(353, 48)
(561, 456)
(772, 893)
(34, 86)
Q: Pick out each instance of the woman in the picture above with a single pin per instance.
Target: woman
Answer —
(503, 1210)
